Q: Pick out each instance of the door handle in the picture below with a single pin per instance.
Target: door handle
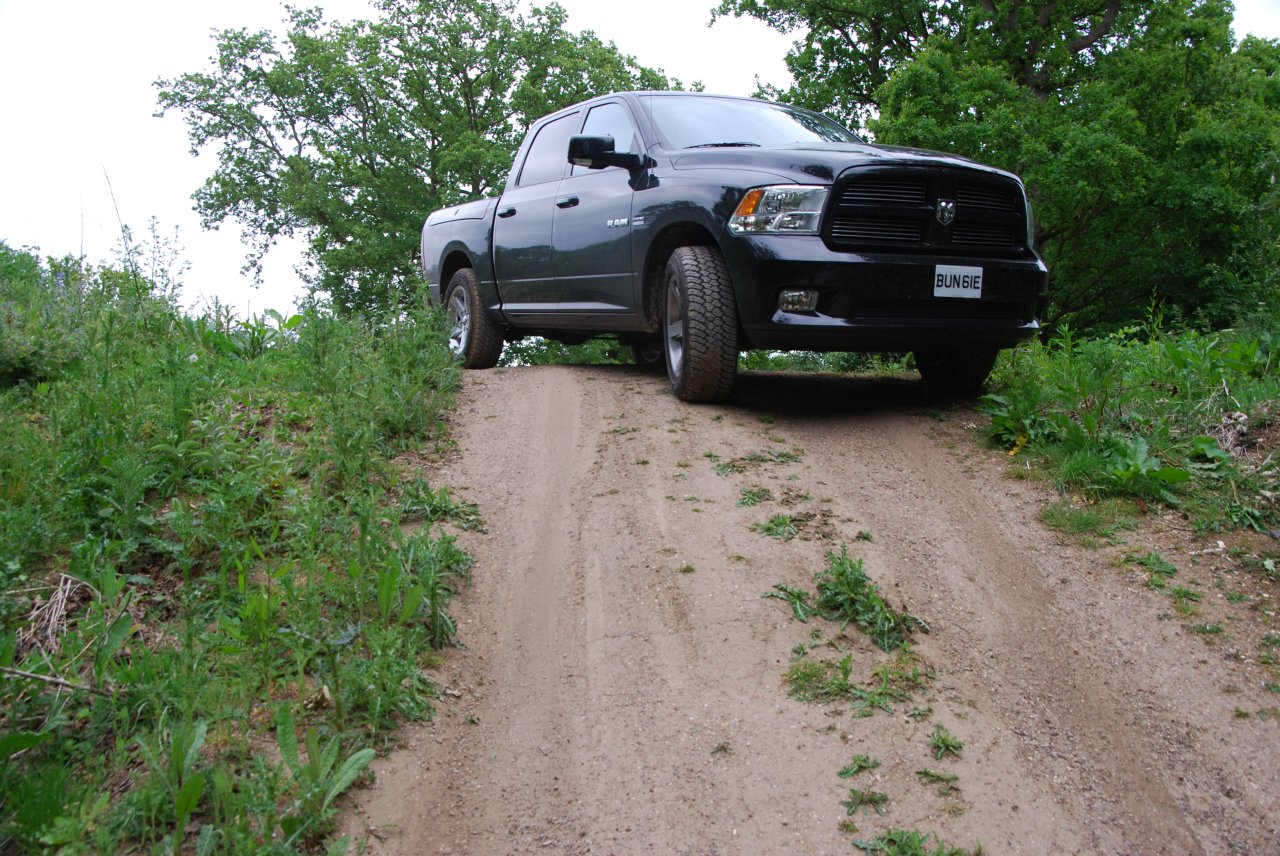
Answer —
(566, 201)
(506, 212)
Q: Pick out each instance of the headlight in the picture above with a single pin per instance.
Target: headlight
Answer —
(787, 209)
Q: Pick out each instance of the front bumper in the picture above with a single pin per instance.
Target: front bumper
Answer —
(878, 301)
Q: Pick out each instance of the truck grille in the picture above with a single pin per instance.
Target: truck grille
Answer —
(896, 207)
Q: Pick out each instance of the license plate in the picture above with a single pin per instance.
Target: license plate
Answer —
(957, 281)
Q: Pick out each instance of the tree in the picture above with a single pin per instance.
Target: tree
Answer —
(1146, 136)
(351, 133)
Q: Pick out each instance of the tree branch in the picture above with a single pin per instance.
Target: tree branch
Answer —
(1098, 30)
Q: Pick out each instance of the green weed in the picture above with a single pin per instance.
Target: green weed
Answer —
(847, 594)
(755, 495)
(944, 783)
(944, 743)
(864, 799)
(909, 842)
(200, 525)
(780, 526)
(859, 764)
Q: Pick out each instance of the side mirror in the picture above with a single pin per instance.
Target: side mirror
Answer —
(598, 153)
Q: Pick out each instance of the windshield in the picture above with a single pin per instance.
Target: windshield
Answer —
(693, 121)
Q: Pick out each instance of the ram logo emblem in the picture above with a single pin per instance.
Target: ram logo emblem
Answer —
(946, 211)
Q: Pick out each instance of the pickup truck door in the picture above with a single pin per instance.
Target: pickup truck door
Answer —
(522, 241)
(592, 231)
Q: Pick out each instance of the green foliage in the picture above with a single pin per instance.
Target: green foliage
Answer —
(350, 133)
(847, 594)
(908, 842)
(1143, 414)
(537, 351)
(864, 799)
(814, 361)
(200, 524)
(859, 764)
(754, 495)
(1146, 135)
(779, 526)
(944, 743)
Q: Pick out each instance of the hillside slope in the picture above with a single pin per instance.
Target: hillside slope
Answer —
(622, 687)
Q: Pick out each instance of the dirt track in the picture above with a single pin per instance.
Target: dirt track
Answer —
(609, 702)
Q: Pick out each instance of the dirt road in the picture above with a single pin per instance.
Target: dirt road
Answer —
(622, 685)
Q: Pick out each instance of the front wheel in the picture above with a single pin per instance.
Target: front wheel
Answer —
(700, 325)
(956, 372)
(474, 339)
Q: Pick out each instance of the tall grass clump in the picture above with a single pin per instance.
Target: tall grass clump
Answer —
(1184, 418)
(201, 555)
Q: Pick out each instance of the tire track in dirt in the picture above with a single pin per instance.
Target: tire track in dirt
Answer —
(606, 702)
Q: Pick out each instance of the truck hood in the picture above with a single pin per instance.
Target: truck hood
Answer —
(804, 162)
(478, 210)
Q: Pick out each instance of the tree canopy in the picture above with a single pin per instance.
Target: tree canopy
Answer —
(350, 133)
(1147, 136)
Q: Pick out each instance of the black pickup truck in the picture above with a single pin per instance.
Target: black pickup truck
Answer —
(692, 227)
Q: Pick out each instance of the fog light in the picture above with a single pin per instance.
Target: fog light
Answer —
(799, 300)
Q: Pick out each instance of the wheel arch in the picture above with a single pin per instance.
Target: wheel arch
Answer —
(675, 235)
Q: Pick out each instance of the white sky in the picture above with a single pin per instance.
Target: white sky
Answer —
(78, 103)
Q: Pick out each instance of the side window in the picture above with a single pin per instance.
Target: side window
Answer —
(611, 120)
(549, 153)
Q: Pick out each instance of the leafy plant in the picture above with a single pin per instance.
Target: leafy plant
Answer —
(864, 799)
(909, 842)
(945, 783)
(755, 495)
(797, 598)
(845, 593)
(779, 526)
(859, 764)
(318, 780)
(944, 743)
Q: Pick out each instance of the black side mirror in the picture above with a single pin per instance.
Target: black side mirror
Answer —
(598, 153)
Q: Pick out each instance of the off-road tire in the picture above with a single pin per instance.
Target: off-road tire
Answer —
(956, 372)
(474, 339)
(699, 325)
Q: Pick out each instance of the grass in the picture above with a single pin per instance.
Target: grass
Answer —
(209, 542)
(1159, 571)
(1146, 416)
(1092, 525)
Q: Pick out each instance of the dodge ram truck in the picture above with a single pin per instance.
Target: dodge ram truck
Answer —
(692, 227)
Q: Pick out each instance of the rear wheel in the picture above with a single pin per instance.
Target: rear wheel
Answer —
(648, 354)
(474, 339)
(960, 372)
(700, 325)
